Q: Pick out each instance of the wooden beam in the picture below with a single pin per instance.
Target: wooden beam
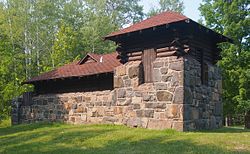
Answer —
(134, 58)
(166, 54)
(139, 53)
(166, 49)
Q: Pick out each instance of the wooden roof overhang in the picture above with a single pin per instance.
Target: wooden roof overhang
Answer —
(90, 66)
(182, 29)
(68, 78)
(95, 82)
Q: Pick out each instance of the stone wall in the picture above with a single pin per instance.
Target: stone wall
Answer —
(164, 103)
(74, 108)
(202, 103)
(157, 105)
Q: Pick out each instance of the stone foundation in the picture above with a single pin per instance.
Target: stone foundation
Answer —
(163, 104)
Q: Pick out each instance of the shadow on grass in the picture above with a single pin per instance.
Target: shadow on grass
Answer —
(154, 145)
(226, 130)
(24, 127)
(96, 139)
(20, 140)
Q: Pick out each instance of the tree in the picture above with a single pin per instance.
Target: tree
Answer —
(121, 12)
(65, 46)
(39, 35)
(89, 34)
(11, 63)
(167, 5)
(231, 18)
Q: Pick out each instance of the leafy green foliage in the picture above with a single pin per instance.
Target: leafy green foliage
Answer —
(37, 36)
(167, 5)
(231, 18)
(65, 47)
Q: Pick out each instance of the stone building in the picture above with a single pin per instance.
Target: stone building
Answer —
(162, 75)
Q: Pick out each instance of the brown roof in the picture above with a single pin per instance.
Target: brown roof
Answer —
(160, 19)
(76, 69)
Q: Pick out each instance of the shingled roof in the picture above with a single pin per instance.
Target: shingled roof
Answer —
(100, 64)
(160, 19)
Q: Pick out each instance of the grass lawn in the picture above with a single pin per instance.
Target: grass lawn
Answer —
(62, 138)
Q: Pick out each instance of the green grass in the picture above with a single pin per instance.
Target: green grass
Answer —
(62, 138)
(5, 123)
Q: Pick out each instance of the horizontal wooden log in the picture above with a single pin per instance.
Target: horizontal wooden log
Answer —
(134, 46)
(166, 49)
(163, 49)
(165, 54)
(187, 50)
(184, 50)
(134, 58)
(186, 46)
(132, 54)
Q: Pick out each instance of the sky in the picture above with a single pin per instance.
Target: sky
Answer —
(191, 7)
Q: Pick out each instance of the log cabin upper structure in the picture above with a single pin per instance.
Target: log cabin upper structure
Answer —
(162, 75)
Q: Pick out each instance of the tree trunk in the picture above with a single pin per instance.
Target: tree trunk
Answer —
(247, 120)
(226, 121)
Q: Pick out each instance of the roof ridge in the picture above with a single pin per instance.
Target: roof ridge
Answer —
(160, 14)
(157, 20)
